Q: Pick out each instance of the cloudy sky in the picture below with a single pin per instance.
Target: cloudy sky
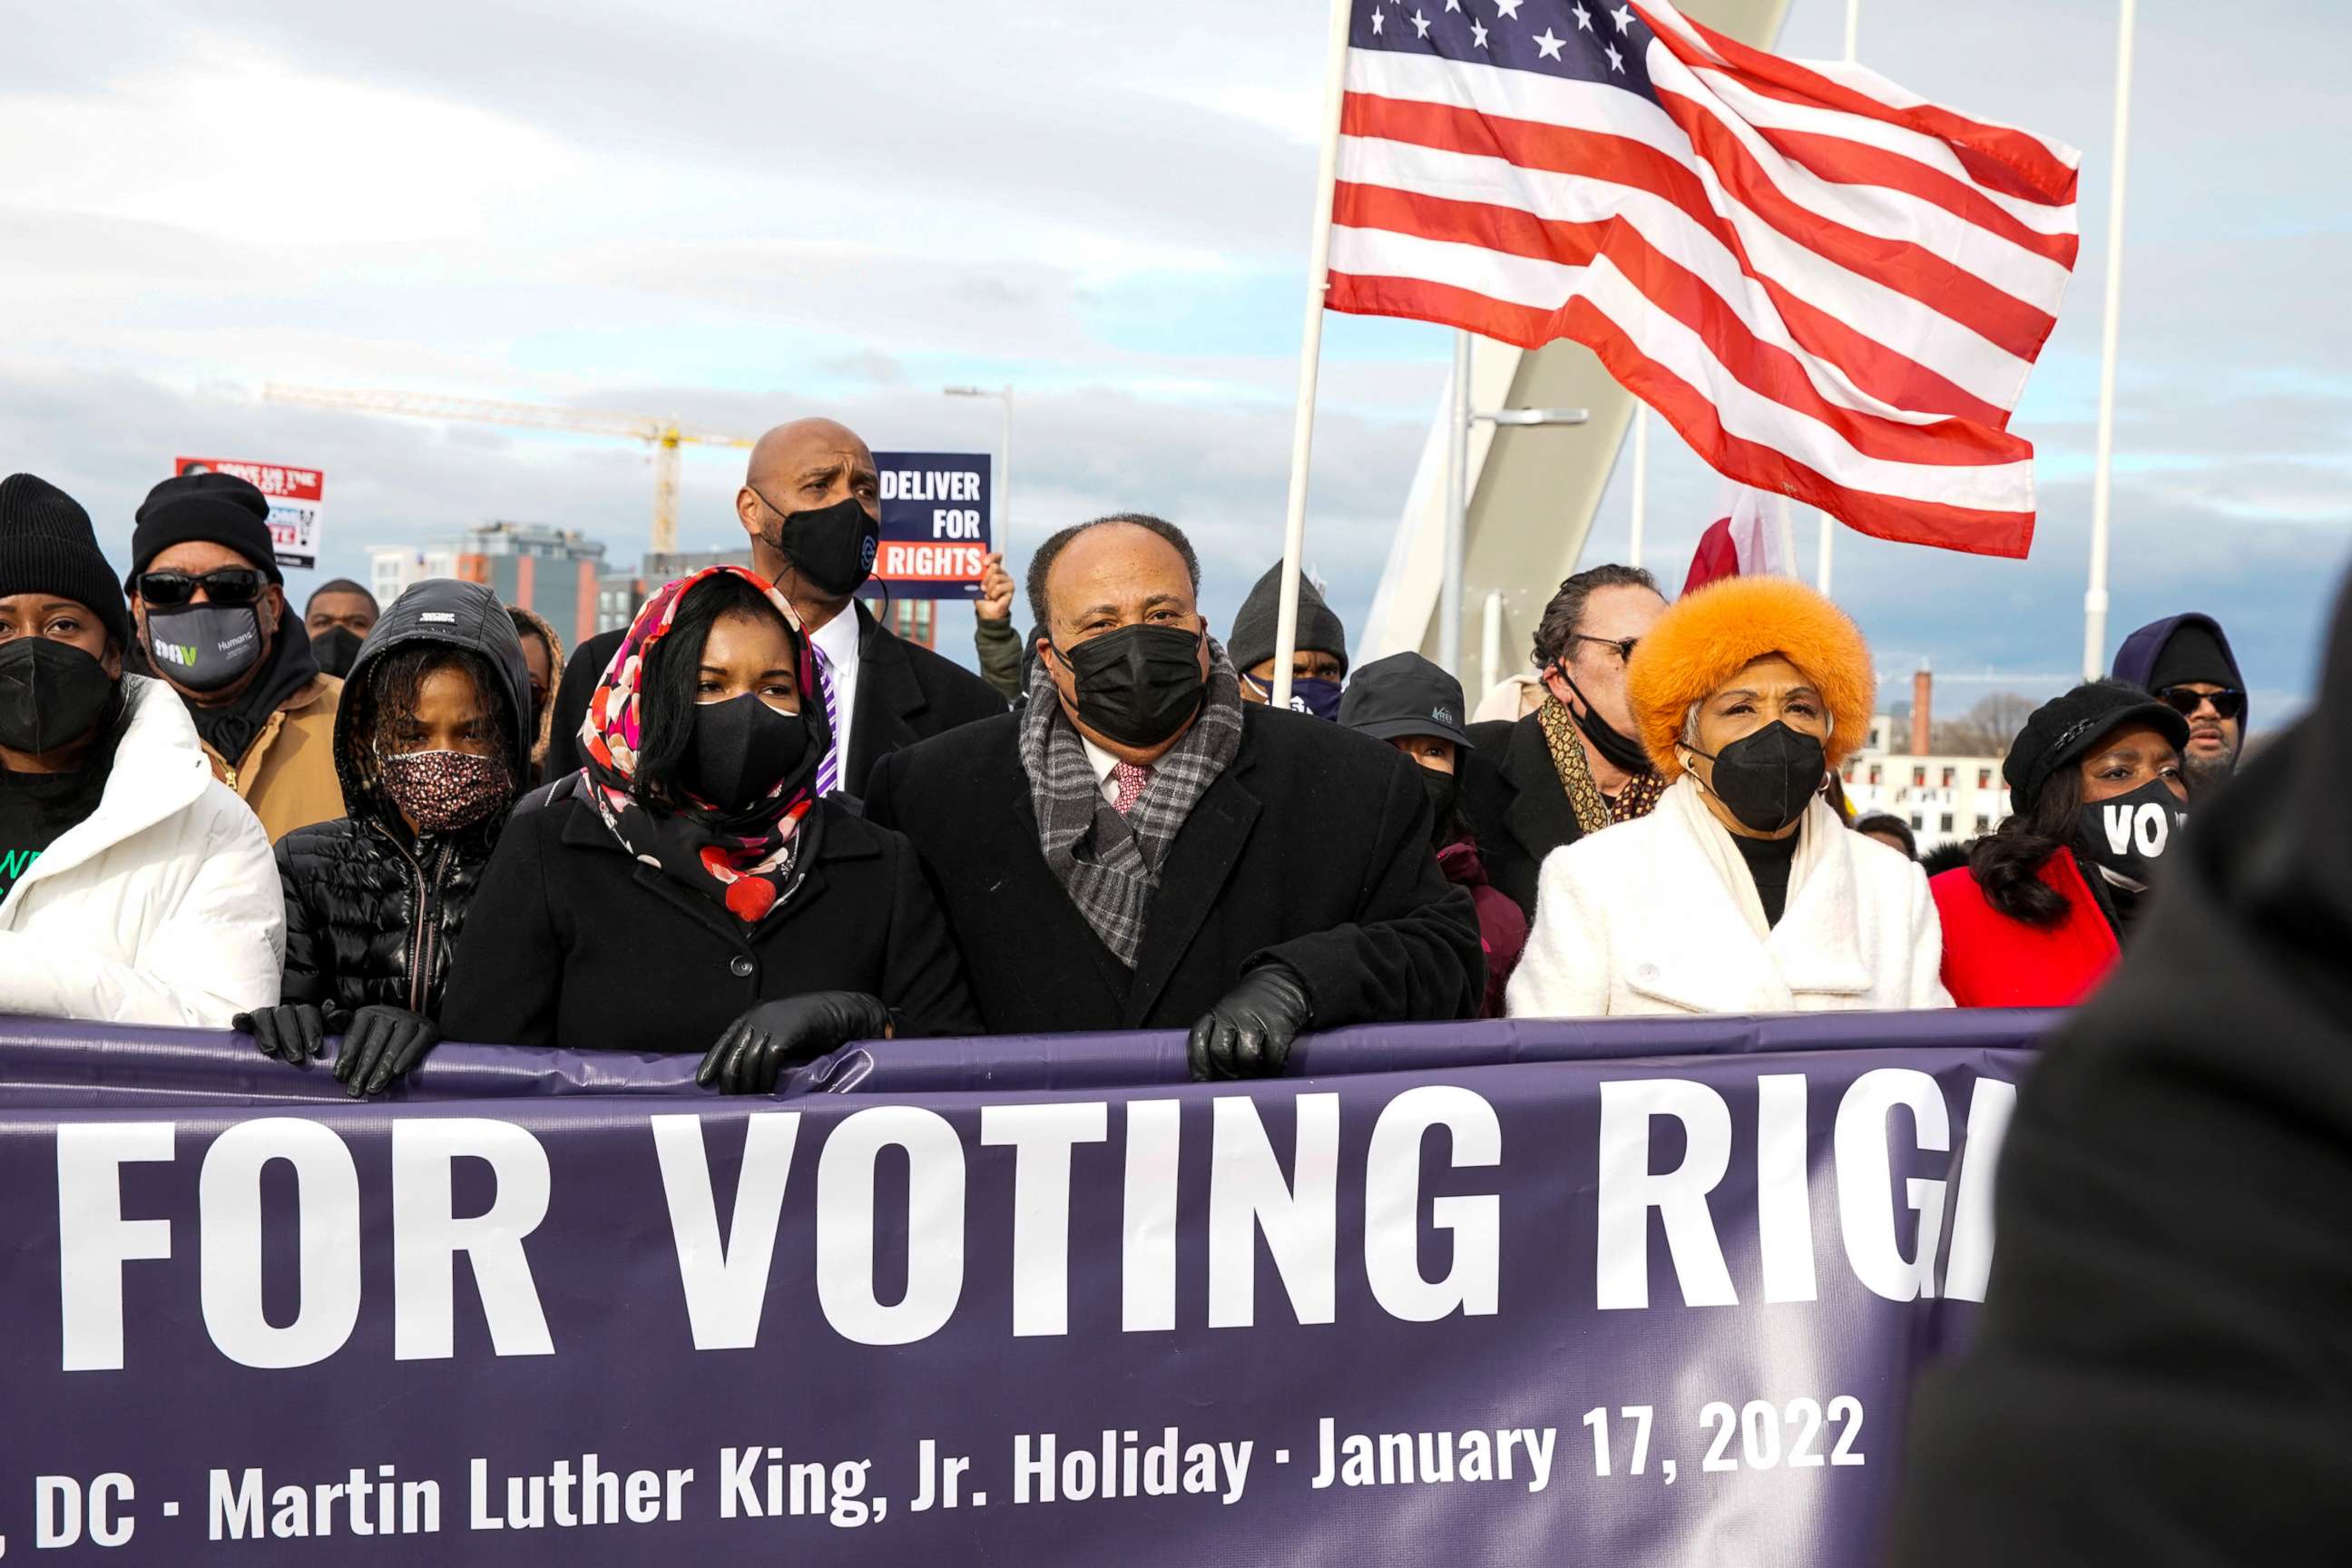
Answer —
(741, 211)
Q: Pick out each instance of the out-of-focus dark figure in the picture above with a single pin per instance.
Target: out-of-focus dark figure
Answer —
(2165, 1371)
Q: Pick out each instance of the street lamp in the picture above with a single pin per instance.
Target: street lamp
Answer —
(1004, 519)
(1457, 499)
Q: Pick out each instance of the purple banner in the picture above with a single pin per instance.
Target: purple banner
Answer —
(1626, 1293)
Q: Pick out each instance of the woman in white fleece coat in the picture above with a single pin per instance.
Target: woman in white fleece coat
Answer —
(1744, 891)
(135, 888)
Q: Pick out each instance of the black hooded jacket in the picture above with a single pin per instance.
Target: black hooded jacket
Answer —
(372, 912)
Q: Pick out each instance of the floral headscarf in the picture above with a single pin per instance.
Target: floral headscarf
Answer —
(744, 859)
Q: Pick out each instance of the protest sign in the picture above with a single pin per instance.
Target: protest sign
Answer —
(296, 498)
(936, 523)
(1635, 1293)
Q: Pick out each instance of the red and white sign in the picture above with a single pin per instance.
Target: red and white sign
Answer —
(296, 498)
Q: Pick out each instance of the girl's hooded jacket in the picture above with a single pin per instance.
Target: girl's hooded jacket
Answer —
(374, 911)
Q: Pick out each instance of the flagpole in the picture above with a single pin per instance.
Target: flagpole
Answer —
(1310, 353)
(1829, 523)
(1641, 480)
(2094, 601)
(1457, 507)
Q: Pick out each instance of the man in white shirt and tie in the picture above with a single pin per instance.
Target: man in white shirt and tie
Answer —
(811, 504)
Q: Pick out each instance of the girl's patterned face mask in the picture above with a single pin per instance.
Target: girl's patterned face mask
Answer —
(444, 791)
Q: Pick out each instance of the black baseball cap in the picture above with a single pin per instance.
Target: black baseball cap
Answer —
(1403, 694)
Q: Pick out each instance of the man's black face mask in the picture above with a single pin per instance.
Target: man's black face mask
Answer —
(1138, 685)
(831, 548)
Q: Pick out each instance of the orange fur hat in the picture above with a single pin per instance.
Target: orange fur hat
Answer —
(1712, 634)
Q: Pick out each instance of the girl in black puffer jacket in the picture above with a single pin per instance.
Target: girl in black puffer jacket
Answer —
(431, 744)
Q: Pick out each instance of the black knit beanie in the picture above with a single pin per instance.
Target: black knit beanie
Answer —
(48, 546)
(219, 509)
(1251, 643)
(2194, 654)
(2065, 728)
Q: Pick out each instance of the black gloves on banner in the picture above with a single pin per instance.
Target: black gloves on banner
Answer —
(292, 1032)
(754, 1049)
(1248, 1034)
(380, 1044)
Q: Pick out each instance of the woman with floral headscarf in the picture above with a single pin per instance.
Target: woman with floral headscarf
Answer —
(687, 890)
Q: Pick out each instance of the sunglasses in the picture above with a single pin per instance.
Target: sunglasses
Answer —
(230, 585)
(1625, 646)
(2185, 702)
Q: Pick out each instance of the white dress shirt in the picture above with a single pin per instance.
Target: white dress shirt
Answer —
(838, 640)
(1102, 762)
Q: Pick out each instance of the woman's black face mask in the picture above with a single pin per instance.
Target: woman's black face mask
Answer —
(1767, 779)
(741, 750)
(1138, 685)
(51, 694)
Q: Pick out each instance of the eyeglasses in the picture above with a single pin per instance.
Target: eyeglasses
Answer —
(2185, 702)
(1625, 646)
(230, 585)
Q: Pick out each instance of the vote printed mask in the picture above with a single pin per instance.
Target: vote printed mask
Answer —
(2128, 836)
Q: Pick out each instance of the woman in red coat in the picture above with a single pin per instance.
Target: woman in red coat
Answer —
(2038, 914)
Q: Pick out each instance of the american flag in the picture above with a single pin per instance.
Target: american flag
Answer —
(1831, 288)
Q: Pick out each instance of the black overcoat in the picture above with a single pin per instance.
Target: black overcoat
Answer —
(1312, 847)
(574, 943)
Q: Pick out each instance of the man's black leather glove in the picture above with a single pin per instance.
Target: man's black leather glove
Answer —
(291, 1032)
(756, 1047)
(379, 1044)
(1248, 1034)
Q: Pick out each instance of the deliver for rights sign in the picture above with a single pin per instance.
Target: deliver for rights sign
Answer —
(936, 523)
(296, 498)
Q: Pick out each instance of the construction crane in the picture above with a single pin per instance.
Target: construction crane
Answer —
(665, 436)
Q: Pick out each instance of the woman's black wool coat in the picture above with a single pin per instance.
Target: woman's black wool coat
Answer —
(577, 943)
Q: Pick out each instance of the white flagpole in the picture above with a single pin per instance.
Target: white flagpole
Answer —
(1310, 353)
(1829, 523)
(1457, 509)
(2094, 601)
(1641, 479)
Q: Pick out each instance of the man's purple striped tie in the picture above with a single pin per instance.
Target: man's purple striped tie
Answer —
(828, 767)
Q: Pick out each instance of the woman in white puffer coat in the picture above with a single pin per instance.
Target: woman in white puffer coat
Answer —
(135, 888)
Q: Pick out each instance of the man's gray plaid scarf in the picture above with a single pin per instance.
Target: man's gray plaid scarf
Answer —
(1108, 864)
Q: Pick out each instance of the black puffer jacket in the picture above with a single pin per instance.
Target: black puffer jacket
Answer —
(373, 912)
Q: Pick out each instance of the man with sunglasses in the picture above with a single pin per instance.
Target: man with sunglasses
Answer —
(2186, 661)
(1571, 767)
(211, 608)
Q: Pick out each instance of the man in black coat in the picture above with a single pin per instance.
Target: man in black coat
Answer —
(2164, 1376)
(1138, 851)
(810, 502)
(1572, 766)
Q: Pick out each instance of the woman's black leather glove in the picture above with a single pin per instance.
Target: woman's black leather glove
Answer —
(1248, 1034)
(290, 1032)
(754, 1049)
(379, 1044)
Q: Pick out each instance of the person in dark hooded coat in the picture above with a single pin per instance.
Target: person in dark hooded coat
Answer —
(688, 888)
(2185, 660)
(2163, 1375)
(432, 742)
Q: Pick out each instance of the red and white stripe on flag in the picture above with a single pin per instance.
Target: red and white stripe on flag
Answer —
(1750, 543)
(1831, 288)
